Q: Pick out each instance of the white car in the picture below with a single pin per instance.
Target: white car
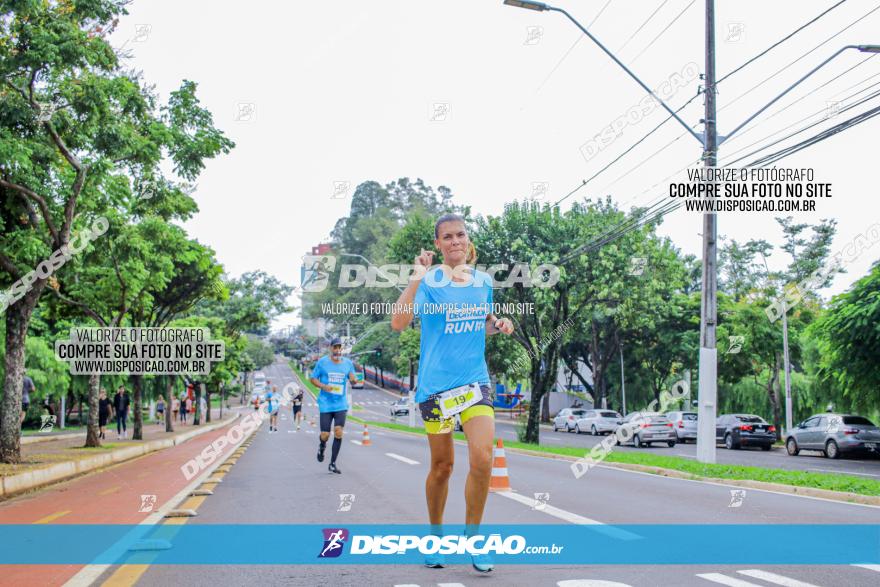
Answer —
(597, 422)
(567, 418)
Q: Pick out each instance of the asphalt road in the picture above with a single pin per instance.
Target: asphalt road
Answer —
(277, 480)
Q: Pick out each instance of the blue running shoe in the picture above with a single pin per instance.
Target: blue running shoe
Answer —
(435, 561)
(482, 563)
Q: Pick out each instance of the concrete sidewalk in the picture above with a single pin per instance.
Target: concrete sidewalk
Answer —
(55, 459)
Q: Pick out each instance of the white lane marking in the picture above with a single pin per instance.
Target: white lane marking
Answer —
(570, 516)
(844, 472)
(401, 459)
(357, 442)
(875, 568)
(725, 580)
(450, 585)
(774, 578)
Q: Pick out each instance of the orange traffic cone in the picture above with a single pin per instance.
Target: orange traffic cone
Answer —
(500, 481)
(366, 440)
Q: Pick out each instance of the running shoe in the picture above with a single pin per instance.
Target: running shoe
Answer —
(332, 468)
(435, 561)
(320, 454)
(482, 563)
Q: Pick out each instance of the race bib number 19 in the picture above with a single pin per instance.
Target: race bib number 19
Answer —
(455, 401)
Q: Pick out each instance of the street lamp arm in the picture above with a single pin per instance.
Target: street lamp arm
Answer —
(631, 74)
(862, 48)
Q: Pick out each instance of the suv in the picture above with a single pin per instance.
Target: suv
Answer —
(834, 434)
(738, 430)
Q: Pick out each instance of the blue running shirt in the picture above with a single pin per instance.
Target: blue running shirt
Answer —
(453, 337)
(335, 374)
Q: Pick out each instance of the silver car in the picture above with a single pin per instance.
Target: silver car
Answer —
(834, 434)
(566, 419)
(597, 422)
(646, 428)
(684, 424)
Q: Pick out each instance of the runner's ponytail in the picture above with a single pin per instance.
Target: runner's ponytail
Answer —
(471, 254)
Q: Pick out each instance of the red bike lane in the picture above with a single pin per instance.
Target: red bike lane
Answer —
(109, 496)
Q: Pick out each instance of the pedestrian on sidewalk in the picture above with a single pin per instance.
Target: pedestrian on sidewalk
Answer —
(203, 408)
(27, 388)
(175, 406)
(453, 377)
(160, 410)
(120, 406)
(188, 407)
(105, 407)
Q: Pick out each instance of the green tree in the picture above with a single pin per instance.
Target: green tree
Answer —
(848, 340)
(73, 125)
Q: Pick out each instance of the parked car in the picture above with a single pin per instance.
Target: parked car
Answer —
(400, 407)
(597, 422)
(646, 428)
(834, 434)
(738, 430)
(567, 418)
(684, 424)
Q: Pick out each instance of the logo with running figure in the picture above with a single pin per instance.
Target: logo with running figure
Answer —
(334, 540)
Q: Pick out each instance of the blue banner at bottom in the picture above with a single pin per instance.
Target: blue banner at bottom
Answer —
(562, 544)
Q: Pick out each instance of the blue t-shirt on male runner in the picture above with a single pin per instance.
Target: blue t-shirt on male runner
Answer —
(453, 340)
(335, 374)
(273, 403)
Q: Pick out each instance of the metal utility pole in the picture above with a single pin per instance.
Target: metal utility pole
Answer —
(787, 368)
(708, 382)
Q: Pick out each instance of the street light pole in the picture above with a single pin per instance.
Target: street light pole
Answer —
(622, 383)
(787, 367)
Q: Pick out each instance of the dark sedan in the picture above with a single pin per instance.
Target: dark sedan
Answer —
(738, 430)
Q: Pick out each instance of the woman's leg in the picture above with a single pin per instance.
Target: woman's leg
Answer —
(437, 483)
(480, 432)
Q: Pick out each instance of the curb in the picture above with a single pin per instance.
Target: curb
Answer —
(841, 496)
(48, 437)
(36, 478)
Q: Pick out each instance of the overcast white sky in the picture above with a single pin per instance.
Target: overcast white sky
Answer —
(345, 90)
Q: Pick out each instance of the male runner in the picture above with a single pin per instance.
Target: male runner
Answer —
(331, 375)
(272, 409)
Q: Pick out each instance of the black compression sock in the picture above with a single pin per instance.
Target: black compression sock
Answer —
(337, 444)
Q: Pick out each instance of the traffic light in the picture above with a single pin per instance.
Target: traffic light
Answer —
(378, 352)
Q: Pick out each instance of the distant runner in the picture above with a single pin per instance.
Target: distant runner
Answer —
(453, 377)
(331, 375)
(297, 406)
(271, 399)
